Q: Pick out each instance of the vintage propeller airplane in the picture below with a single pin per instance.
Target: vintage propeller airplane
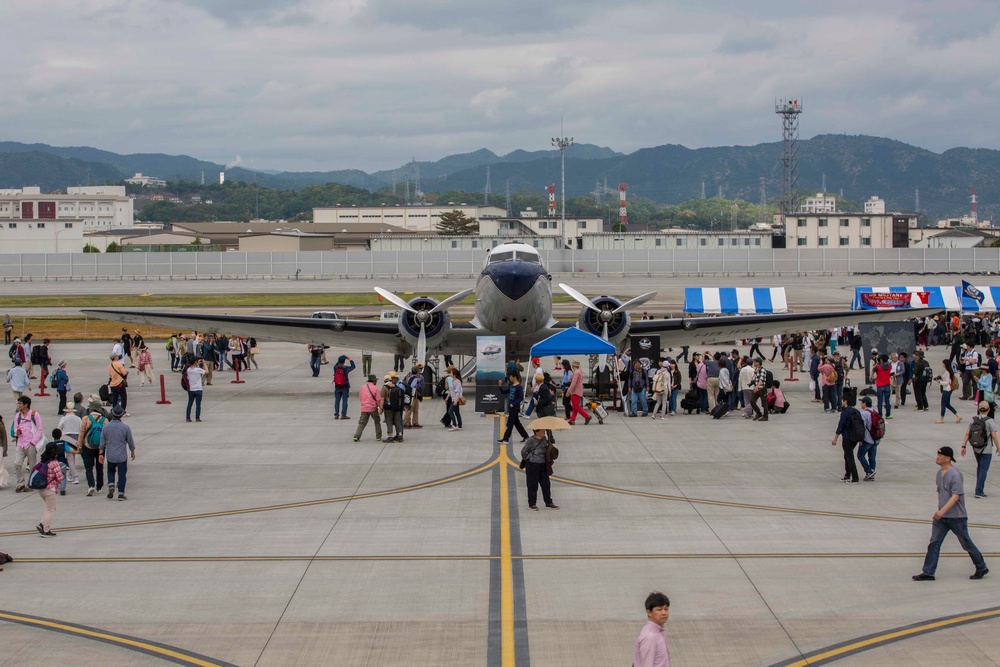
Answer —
(514, 300)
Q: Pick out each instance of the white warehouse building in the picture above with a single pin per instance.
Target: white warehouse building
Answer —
(100, 207)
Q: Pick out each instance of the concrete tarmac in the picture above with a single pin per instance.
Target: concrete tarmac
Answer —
(264, 536)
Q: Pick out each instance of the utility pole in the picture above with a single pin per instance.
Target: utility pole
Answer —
(562, 143)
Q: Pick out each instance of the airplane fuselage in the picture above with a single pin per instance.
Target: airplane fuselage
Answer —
(513, 299)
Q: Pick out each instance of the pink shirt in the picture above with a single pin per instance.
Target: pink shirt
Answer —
(824, 370)
(576, 383)
(701, 377)
(53, 475)
(651, 647)
(31, 429)
(370, 397)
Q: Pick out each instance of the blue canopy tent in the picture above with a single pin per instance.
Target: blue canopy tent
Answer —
(572, 341)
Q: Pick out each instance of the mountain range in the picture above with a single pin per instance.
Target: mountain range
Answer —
(856, 166)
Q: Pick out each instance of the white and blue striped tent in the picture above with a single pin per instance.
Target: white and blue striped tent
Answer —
(945, 297)
(735, 300)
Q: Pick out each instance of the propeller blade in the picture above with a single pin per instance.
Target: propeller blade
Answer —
(632, 303)
(392, 298)
(451, 301)
(603, 359)
(422, 345)
(579, 297)
(604, 334)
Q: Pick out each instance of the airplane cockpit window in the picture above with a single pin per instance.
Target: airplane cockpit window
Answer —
(501, 257)
(528, 257)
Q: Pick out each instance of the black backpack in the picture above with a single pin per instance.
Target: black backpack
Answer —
(978, 433)
(36, 355)
(768, 379)
(407, 390)
(855, 427)
(394, 399)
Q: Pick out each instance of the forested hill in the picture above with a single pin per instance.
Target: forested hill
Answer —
(857, 166)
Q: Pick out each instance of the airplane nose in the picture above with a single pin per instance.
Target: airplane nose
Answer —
(514, 279)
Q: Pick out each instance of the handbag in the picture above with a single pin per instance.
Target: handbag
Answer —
(461, 401)
(989, 396)
(524, 463)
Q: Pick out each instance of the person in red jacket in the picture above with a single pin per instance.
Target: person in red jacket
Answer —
(883, 385)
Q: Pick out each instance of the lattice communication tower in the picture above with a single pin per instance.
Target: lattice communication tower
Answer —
(789, 111)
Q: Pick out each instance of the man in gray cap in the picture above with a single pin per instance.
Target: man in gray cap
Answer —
(951, 515)
(116, 442)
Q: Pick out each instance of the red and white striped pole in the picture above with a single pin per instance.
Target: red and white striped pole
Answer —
(622, 211)
(552, 201)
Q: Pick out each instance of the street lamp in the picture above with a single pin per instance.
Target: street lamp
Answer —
(562, 143)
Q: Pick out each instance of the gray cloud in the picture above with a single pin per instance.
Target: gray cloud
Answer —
(317, 85)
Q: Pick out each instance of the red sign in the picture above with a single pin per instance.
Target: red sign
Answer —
(892, 299)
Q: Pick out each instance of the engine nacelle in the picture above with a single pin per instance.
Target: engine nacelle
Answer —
(618, 324)
(435, 328)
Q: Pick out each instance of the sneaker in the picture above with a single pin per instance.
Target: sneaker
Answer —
(48, 533)
(111, 492)
(503, 442)
(76, 480)
(869, 476)
(587, 420)
(533, 508)
(979, 574)
(188, 421)
(980, 495)
(39, 528)
(122, 496)
(645, 414)
(552, 506)
(91, 491)
(888, 416)
(923, 576)
(662, 418)
(62, 492)
(356, 438)
(845, 478)
(197, 420)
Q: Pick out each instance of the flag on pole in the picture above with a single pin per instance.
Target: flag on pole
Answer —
(969, 290)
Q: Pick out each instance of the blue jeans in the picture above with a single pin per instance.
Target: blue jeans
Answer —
(194, 397)
(340, 395)
(939, 531)
(856, 354)
(673, 399)
(65, 472)
(640, 399)
(866, 456)
(731, 397)
(982, 468)
(702, 399)
(314, 364)
(531, 407)
(122, 469)
(884, 395)
(455, 412)
(946, 403)
(829, 396)
(838, 393)
(817, 389)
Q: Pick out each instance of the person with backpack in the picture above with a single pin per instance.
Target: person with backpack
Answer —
(828, 377)
(116, 443)
(874, 432)
(370, 400)
(69, 426)
(414, 382)
(982, 430)
(89, 441)
(341, 386)
(3, 454)
(118, 383)
(884, 372)
(637, 382)
(852, 428)
(661, 391)
(64, 447)
(923, 375)
(533, 460)
(948, 382)
(50, 475)
(8, 326)
(26, 430)
(392, 407)
(60, 382)
(18, 380)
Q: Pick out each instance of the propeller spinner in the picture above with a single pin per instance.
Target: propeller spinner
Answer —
(424, 315)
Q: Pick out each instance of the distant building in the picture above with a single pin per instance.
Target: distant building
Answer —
(112, 190)
(678, 239)
(147, 181)
(968, 237)
(849, 230)
(278, 236)
(26, 236)
(412, 218)
(434, 242)
(821, 203)
(964, 221)
(96, 210)
(874, 206)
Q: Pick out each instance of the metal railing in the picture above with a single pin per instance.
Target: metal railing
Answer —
(467, 263)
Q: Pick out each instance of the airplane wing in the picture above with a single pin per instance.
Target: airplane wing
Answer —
(709, 330)
(368, 334)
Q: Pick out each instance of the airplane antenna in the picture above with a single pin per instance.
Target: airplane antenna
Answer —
(622, 211)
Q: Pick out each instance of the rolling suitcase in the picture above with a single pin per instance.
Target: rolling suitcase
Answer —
(850, 394)
(720, 410)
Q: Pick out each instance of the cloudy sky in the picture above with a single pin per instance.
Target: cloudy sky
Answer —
(332, 84)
